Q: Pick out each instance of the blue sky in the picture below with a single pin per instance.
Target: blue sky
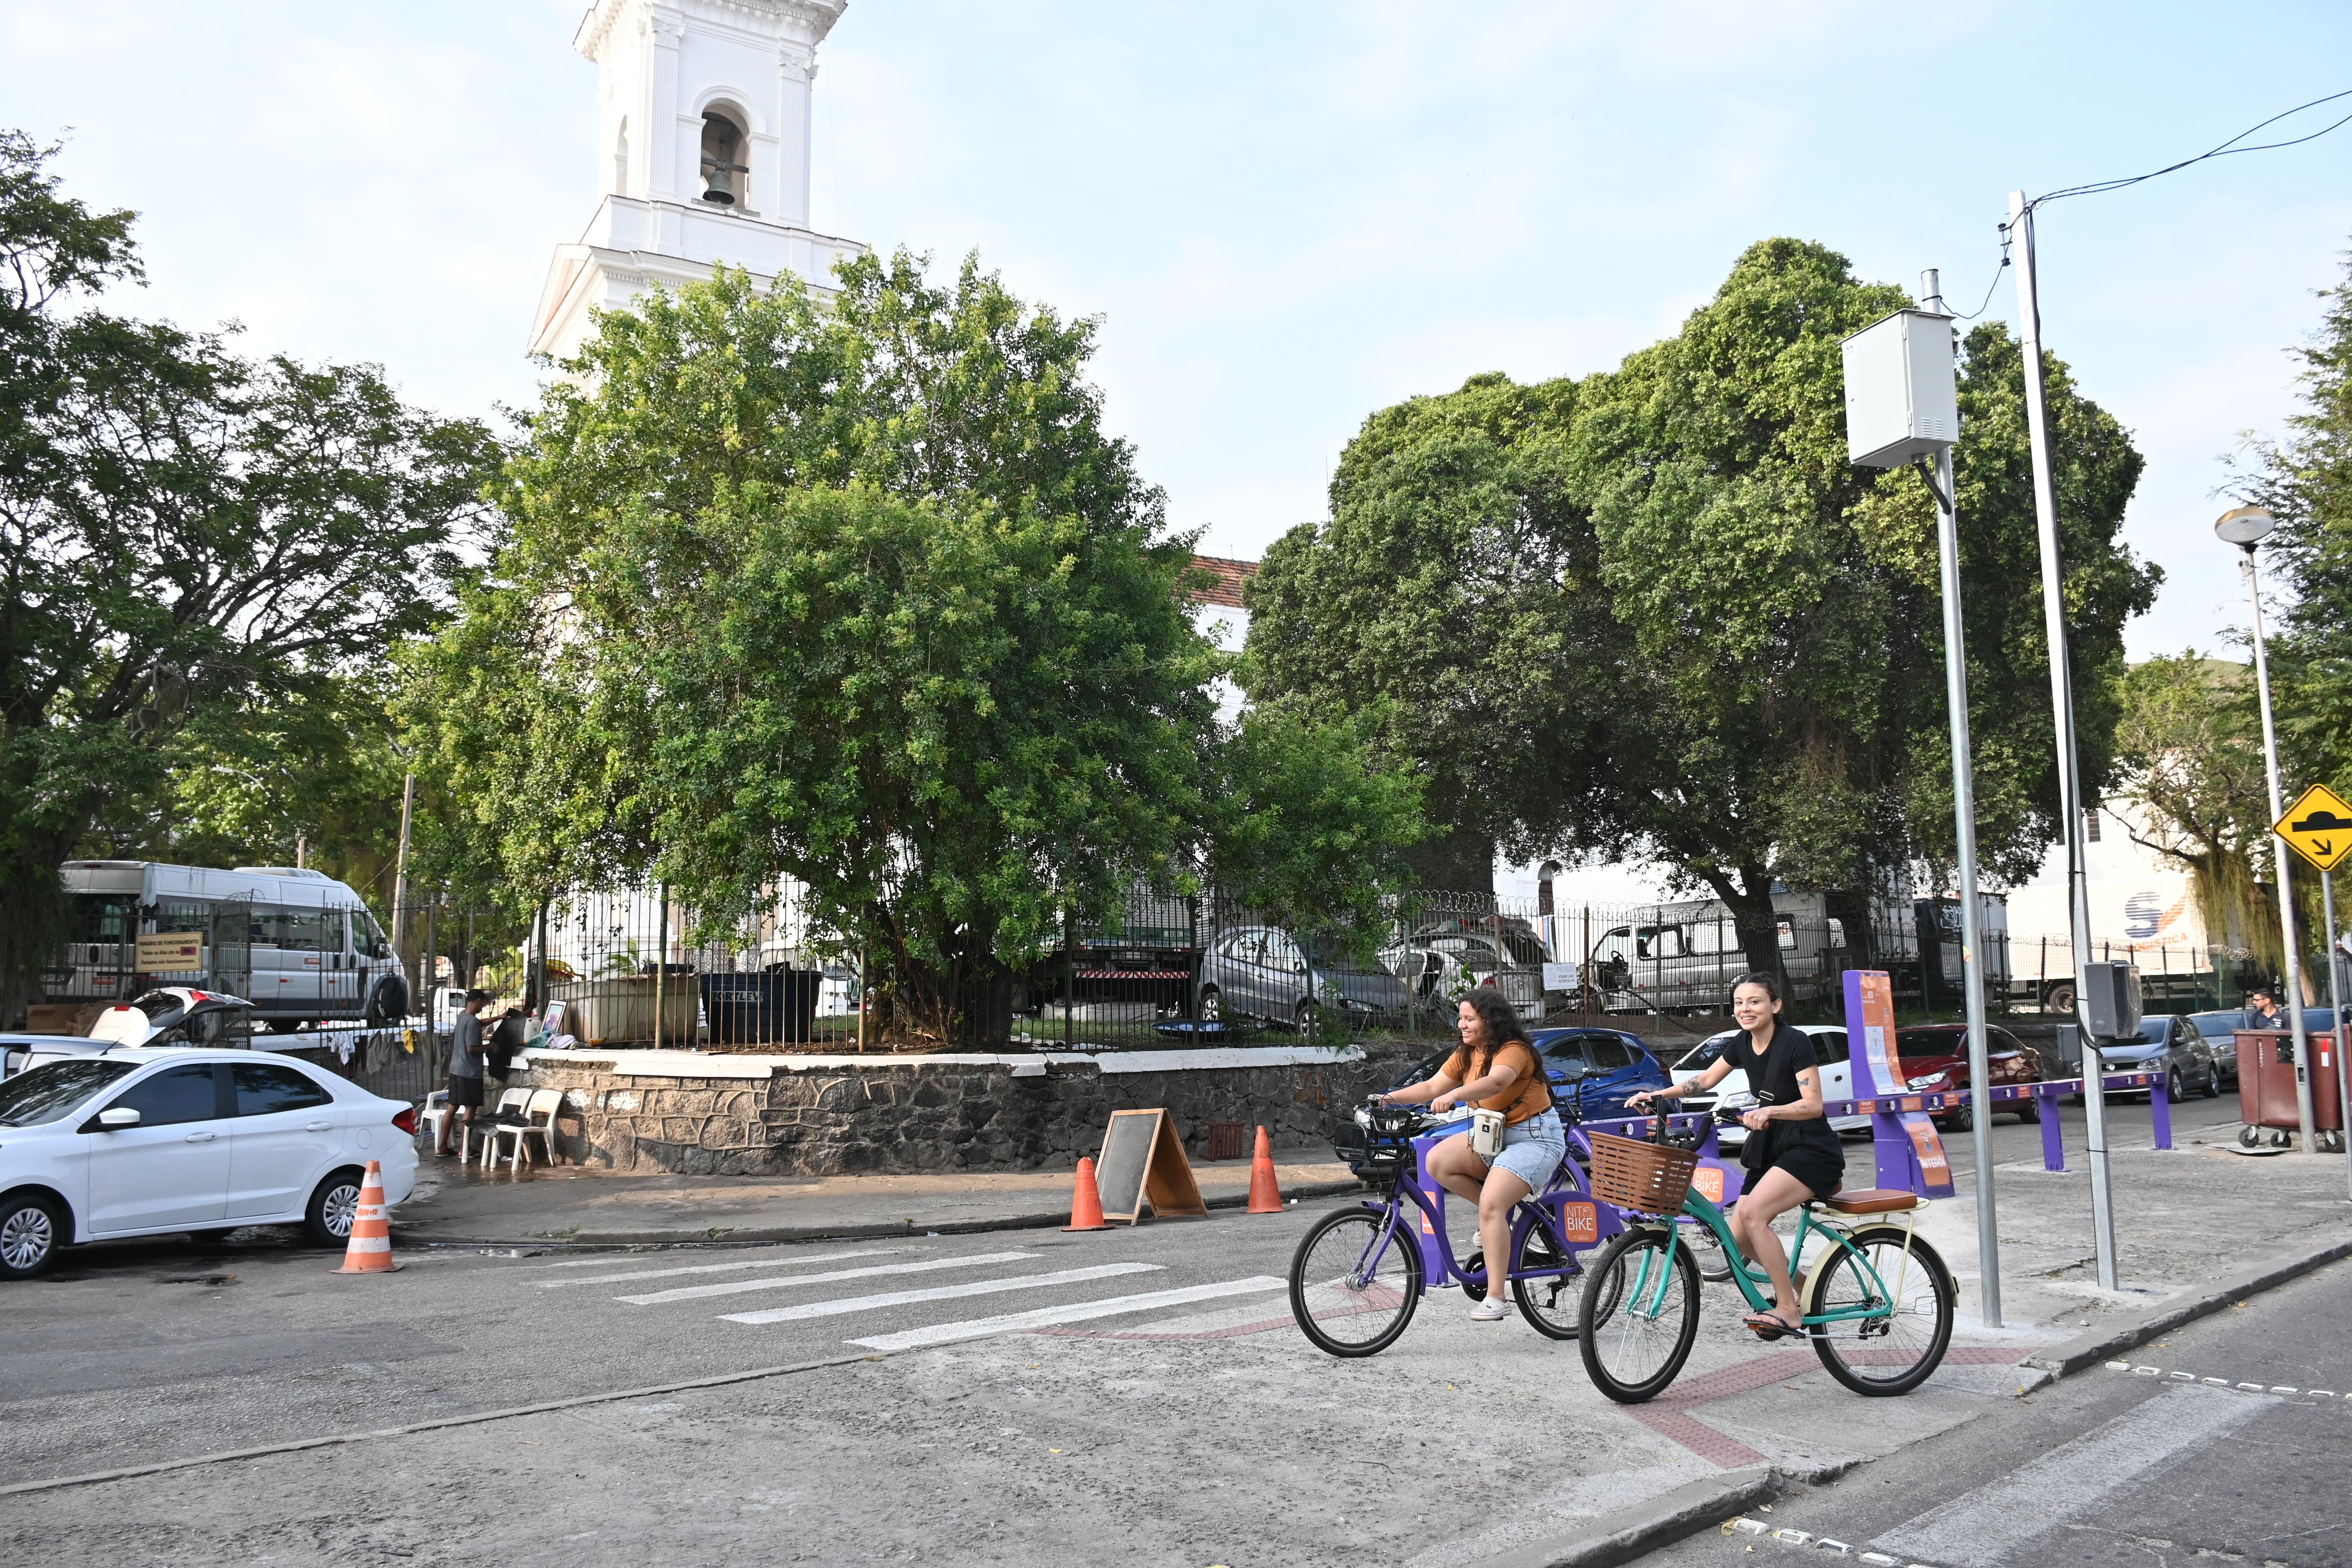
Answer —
(1286, 214)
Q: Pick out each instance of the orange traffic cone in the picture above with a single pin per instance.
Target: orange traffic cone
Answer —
(371, 1249)
(1266, 1196)
(1086, 1203)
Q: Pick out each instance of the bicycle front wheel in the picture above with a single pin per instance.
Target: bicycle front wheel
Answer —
(1355, 1282)
(1639, 1315)
(1898, 1309)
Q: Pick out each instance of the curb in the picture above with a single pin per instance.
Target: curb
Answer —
(2133, 1332)
(409, 1235)
(1628, 1533)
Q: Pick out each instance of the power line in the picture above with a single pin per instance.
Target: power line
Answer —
(2226, 150)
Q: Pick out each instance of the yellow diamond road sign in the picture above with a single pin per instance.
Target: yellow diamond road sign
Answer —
(2318, 827)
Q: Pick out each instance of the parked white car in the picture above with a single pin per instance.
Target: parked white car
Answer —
(1830, 1042)
(143, 1141)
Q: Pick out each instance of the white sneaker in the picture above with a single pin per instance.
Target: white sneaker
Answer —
(1489, 1311)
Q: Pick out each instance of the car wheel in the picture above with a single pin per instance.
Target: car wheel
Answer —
(1307, 1017)
(2029, 1112)
(1963, 1120)
(1213, 1005)
(2172, 1085)
(32, 1229)
(327, 1221)
(2059, 999)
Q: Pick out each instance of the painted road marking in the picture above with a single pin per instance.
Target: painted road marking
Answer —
(1982, 1529)
(737, 1287)
(940, 1292)
(2279, 1389)
(782, 1262)
(1047, 1316)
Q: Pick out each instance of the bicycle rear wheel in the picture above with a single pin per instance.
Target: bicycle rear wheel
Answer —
(1355, 1282)
(1639, 1316)
(1894, 1349)
(1553, 1304)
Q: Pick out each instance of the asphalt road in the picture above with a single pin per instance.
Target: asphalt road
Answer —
(2191, 1465)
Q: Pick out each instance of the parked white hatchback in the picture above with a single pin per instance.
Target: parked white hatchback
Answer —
(141, 1141)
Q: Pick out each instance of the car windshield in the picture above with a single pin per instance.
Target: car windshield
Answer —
(1707, 1055)
(2152, 1030)
(51, 1091)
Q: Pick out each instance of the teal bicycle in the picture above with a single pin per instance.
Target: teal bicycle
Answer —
(1877, 1300)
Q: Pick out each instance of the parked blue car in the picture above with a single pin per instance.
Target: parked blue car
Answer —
(1616, 1065)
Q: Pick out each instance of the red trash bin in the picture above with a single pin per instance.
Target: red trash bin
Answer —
(2266, 1080)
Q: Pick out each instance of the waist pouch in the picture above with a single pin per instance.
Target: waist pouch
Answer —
(1485, 1133)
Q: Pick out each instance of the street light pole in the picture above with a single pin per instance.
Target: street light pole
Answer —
(1964, 823)
(2246, 527)
(2061, 703)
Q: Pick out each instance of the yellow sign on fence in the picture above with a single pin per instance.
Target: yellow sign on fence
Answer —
(2318, 827)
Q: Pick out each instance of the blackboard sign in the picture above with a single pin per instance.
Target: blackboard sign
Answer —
(1142, 1166)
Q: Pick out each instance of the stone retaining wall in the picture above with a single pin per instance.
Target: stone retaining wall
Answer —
(698, 1114)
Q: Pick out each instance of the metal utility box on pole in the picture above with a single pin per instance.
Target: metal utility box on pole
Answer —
(1901, 405)
(2062, 704)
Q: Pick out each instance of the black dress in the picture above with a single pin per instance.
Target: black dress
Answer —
(1808, 1151)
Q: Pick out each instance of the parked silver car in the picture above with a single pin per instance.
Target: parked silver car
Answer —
(1442, 960)
(1261, 973)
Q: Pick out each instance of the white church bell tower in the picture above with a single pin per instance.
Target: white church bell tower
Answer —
(704, 155)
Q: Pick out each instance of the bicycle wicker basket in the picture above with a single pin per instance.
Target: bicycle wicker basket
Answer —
(1641, 1177)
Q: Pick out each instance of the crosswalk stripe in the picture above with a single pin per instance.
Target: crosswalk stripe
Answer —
(1982, 1529)
(786, 1261)
(938, 1293)
(736, 1287)
(1078, 1312)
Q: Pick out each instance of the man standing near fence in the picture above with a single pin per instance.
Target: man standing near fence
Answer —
(465, 1069)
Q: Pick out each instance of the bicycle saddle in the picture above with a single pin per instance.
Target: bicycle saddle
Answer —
(1868, 1200)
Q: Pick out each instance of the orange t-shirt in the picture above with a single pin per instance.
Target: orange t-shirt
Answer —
(1527, 1095)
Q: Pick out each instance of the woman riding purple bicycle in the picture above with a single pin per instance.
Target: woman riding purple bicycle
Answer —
(1495, 1068)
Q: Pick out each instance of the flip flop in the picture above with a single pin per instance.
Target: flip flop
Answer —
(1769, 1326)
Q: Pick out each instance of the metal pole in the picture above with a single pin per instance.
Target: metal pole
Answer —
(2061, 703)
(399, 888)
(2335, 1017)
(661, 957)
(1964, 821)
(2285, 862)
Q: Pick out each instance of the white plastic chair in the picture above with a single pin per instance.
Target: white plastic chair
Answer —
(436, 1114)
(490, 1125)
(540, 1112)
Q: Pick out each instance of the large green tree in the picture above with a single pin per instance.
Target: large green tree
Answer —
(185, 533)
(2306, 480)
(1656, 611)
(858, 593)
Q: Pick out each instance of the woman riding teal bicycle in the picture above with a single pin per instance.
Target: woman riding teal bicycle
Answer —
(1495, 1069)
(1792, 1155)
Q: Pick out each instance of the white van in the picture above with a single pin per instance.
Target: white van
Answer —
(297, 943)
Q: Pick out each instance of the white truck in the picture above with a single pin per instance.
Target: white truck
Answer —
(297, 944)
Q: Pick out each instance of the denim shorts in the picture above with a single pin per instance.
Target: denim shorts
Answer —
(1532, 1150)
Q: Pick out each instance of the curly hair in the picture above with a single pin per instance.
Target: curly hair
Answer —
(1502, 1021)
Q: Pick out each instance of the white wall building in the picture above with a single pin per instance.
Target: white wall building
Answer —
(703, 154)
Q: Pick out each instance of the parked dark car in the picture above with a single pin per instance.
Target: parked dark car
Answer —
(1614, 1064)
(2172, 1045)
(2221, 1031)
(1936, 1058)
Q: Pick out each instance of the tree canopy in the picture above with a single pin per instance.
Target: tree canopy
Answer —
(1656, 611)
(860, 596)
(185, 534)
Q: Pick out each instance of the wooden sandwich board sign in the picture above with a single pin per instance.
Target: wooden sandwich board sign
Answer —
(1142, 1166)
(2317, 826)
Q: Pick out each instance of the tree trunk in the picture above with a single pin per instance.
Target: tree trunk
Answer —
(34, 898)
(963, 1004)
(1749, 897)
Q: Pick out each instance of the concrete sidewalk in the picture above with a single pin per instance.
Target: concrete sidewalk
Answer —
(567, 1206)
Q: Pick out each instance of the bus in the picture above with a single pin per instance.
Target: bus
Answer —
(297, 944)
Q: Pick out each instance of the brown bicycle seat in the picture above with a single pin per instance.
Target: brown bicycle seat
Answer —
(1870, 1200)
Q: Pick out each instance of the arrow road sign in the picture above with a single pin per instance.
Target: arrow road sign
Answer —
(2318, 827)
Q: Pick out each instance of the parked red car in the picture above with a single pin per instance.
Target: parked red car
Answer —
(1936, 1055)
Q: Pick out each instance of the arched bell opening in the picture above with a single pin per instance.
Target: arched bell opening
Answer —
(724, 170)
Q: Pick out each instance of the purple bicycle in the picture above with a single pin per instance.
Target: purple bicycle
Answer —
(1360, 1272)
